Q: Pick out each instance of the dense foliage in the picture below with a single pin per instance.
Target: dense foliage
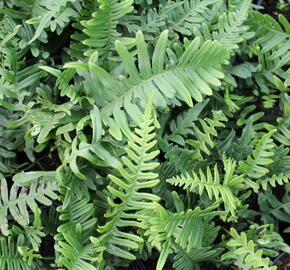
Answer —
(143, 134)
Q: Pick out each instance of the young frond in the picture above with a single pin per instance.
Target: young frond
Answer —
(204, 135)
(244, 251)
(24, 198)
(136, 175)
(212, 184)
(255, 164)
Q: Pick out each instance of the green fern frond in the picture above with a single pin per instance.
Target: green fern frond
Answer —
(273, 37)
(10, 258)
(273, 180)
(21, 199)
(212, 184)
(255, 164)
(102, 27)
(204, 136)
(182, 125)
(180, 16)
(244, 251)
(181, 233)
(135, 176)
(189, 77)
(231, 28)
(76, 255)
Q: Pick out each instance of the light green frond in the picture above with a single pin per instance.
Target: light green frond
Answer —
(131, 188)
(243, 250)
(101, 29)
(191, 77)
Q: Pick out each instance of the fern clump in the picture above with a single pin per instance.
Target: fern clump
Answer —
(141, 134)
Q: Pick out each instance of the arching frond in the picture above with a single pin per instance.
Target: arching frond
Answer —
(192, 76)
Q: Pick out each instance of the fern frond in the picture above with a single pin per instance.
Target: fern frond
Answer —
(10, 258)
(101, 29)
(273, 180)
(189, 77)
(75, 253)
(180, 16)
(273, 37)
(135, 176)
(204, 136)
(245, 251)
(231, 28)
(255, 164)
(212, 184)
(182, 125)
(181, 233)
(271, 207)
(21, 199)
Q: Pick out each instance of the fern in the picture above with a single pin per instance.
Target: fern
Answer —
(200, 62)
(231, 28)
(101, 29)
(180, 16)
(255, 164)
(22, 199)
(79, 254)
(203, 139)
(273, 180)
(245, 251)
(10, 258)
(134, 176)
(174, 234)
(272, 37)
(212, 184)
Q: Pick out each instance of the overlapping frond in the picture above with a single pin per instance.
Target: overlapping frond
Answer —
(244, 251)
(180, 233)
(128, 187)
(273, 38)
(211, 183)
(255, 165)
(192, 76)
(203, 136)
(101, 29)
(10, 258)
(21, 199)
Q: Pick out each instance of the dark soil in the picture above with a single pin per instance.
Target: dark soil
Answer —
(283, 262)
